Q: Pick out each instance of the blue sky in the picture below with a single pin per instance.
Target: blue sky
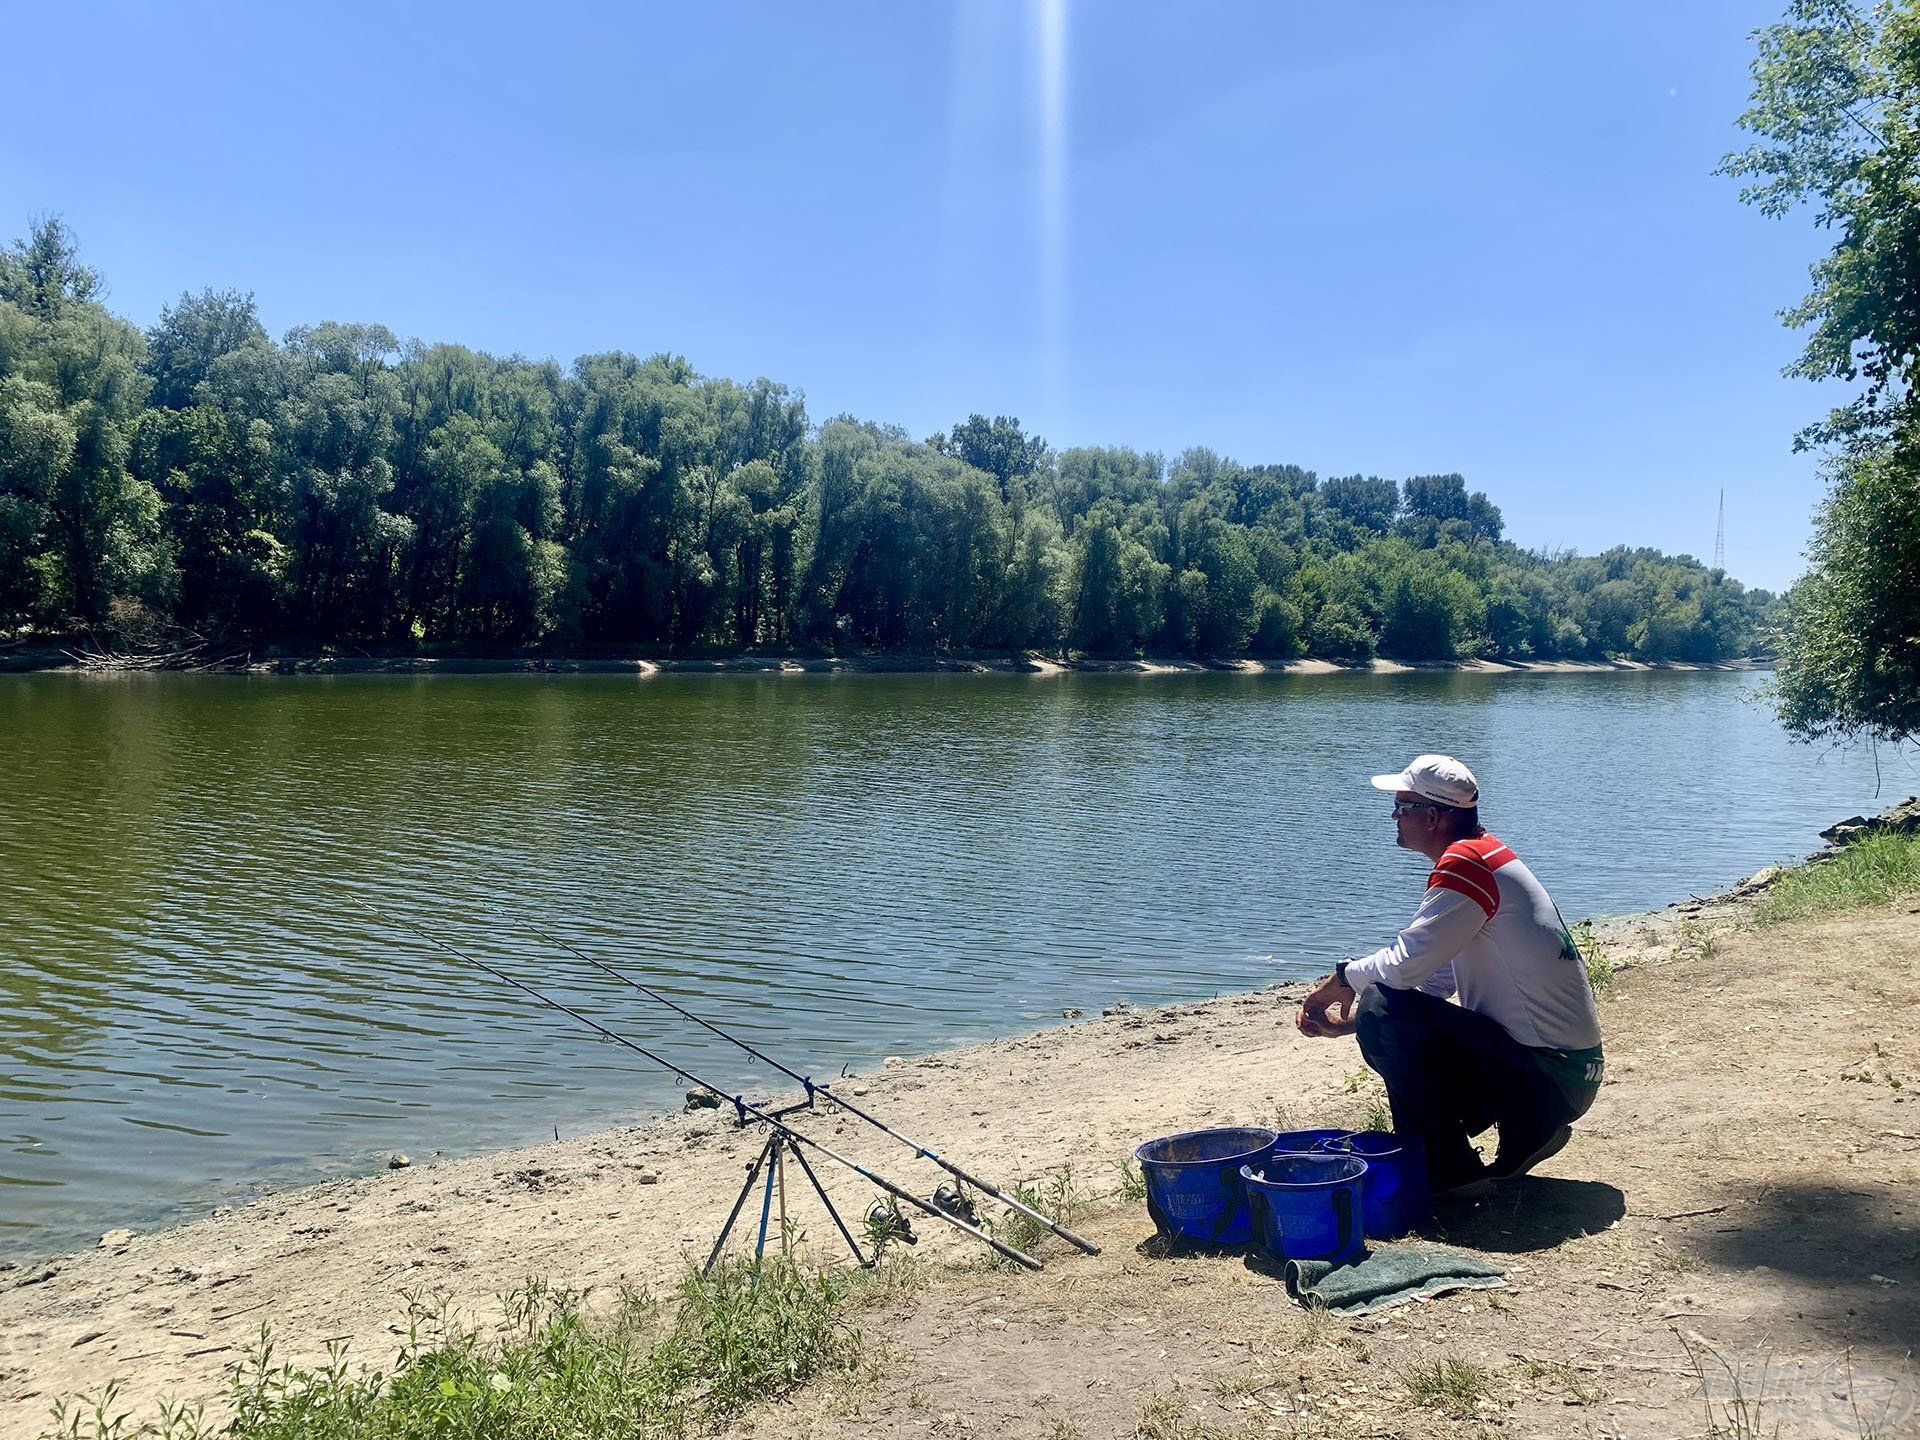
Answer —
(1396, 238)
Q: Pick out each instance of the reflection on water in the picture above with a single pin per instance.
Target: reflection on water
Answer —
(201, 998)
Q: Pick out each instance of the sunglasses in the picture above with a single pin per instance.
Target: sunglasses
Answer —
(1400, 807)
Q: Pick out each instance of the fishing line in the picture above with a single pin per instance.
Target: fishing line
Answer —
(813, 1087)
(743, 1107)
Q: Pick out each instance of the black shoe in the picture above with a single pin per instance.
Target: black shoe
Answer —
(1467, 1183)
(1517, 1159)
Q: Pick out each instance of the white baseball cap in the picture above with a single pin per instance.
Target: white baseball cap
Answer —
(1439, 778)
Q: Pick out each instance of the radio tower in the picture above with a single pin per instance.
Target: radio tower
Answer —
(1720, 537)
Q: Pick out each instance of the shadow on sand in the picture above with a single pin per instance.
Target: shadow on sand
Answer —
(1522, 1216)
(1850, 1253)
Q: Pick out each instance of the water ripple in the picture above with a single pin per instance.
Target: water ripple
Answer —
(203, 998)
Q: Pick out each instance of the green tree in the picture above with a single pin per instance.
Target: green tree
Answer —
(37, 444)
(998, 446)
(1836, 116)
(1119, 587)
(80, 530)
(215, 474)
(1850, 658)
(1363, 504)
(1033, 604)
(194, 335)
(345, 548)
(1278, 626)
(1429, 610)
(1438, 508)
(1340, 631)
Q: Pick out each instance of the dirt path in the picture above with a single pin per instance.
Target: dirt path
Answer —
(1745, 1187)
(1737, 1218)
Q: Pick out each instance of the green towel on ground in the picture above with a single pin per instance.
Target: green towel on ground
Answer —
(1389, 1275)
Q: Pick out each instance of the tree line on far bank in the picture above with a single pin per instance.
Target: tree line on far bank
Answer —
(339, 488)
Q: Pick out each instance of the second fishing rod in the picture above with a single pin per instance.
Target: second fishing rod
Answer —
(817, 1087)
(744, 1107)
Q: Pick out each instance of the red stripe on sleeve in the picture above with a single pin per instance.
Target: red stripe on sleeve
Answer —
(1469, 877)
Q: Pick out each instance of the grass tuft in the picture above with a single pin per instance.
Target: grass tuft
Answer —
(1448, 1385)
(1057, 1197)
(752, 1332)
(1871, 872)
(1593, 957)
(1165, 1416)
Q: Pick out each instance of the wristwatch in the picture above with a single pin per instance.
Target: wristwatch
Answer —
(1340, 972)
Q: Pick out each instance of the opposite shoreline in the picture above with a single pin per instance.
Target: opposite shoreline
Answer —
(60, 659)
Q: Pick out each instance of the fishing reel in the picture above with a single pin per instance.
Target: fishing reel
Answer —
(953, 1201)
(886, 1223)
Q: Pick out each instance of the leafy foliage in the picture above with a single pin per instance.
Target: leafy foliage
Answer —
(1850, 659)
(340, 487)
(1836, 116)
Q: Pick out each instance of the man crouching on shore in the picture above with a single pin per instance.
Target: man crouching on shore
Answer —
(1521, 1049)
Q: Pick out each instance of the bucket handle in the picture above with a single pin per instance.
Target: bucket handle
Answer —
(1229, 1181)
(1160, 1221)
(1343, 1221)
(1257, 1207)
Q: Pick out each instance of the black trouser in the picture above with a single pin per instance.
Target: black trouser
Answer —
(1452, 1073)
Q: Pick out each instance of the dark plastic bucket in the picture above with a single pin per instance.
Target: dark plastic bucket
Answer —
(1308, 1207)
(1394, 1198)
(1307, 1142)
(1194, 1189)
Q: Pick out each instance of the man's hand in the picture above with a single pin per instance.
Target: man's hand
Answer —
(1328, 1011)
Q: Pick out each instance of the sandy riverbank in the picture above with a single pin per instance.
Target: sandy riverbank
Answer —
(55, 658)
(1746, 1179)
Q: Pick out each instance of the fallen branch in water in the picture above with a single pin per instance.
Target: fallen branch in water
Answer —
(198, 656)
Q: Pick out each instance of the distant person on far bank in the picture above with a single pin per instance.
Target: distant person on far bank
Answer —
(1521, 1047)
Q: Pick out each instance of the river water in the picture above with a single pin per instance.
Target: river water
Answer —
(203, 999)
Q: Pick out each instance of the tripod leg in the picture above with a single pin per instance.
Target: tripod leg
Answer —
(786, 1235)
(845, 1234)
(753, 1173)
(775, 1145)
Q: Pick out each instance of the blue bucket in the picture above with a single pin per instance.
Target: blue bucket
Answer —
(1394, 1198)
(1308, 1207)
(1308, 1142)
(1194, 1189)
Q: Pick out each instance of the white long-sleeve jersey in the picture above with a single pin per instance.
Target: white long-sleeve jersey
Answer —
(1488, 931)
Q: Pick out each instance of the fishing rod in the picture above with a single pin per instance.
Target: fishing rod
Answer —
(814, 1086)
(793, 1137)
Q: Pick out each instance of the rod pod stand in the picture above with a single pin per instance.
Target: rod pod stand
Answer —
(794, 1138)
(772, 1159)
(815, 1088)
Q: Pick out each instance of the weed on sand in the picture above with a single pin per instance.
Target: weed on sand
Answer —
(1598, 966)
(1450, 1386)
(749, 1333)
(1872, 871)
(1166, 1417)
(1058, 1197)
